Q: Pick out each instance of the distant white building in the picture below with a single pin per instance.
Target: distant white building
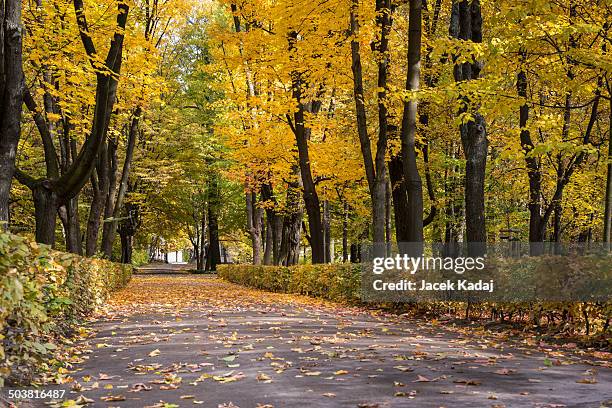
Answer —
(174, 257)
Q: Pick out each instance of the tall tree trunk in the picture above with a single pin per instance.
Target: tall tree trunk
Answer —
(413, 182)
(534, 173)
(111, 197)
(267, 258)
(327, 232)
(11, 96)
(127, 247)
(214, 254)
(302, 135)
(110, 228)
(275, 224)
(375, 169)
(100, 185)
(69, 215)
(608, 199)
(45, 212)
(400, 198)
(388, 204)
(292, 224)
(466, 24)
(254, 225)
(203, 234)
(345, 254)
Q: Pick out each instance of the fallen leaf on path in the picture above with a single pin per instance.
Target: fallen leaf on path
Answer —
(467, 382)
(140, 387)
(112, 398)
(421, 378)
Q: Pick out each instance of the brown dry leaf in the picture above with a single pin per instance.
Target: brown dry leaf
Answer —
(467, 382)
(504, 371)
(587, 381)
(404, 368)
(83, 400)
(154, 353)
(421, 378)
(264, 378)
(140, 387)
(410, 394)
(341, 372)
(329, 395)
(112, 398)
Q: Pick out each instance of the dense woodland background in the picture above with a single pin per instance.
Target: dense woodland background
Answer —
(275, 126)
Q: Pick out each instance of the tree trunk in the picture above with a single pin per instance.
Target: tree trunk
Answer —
(45, 212)
(608, 199)
(110, 228)
(413, 182)
(267, 258)
(292, 224)
(375, 170)
(466, 24)
(202, 246)
(302, 135)
(254, 225)
(345, 254)
(534, 173)
(100, 186)
(214, 255)
(11, 96)
(388, 204)
(400, 198)
(127, 243)
(327, 231)
(106, 247)
(69, 215)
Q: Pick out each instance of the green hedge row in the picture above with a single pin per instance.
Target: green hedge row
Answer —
(337, 282)
(523, 277)
(43, 294)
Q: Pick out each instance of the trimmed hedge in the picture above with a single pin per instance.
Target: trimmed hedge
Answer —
(43, 294)
(342, 283)
(337, 282)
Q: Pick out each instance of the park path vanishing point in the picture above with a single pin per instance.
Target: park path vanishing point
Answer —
(198, 341)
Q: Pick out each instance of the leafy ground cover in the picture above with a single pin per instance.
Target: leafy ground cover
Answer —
(194, 340)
